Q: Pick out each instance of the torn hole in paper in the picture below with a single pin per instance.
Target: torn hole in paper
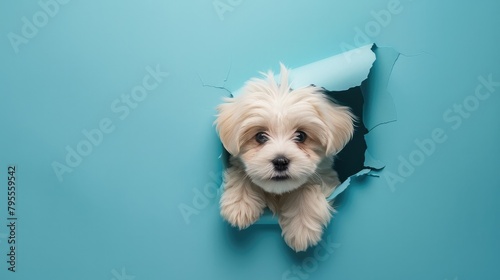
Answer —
(358, 79)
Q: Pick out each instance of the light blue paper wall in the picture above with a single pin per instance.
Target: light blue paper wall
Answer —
(117, 214)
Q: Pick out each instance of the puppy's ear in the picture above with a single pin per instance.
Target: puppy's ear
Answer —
(227, 126)
(339, 123)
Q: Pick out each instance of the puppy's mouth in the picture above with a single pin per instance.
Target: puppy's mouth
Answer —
(280, 177)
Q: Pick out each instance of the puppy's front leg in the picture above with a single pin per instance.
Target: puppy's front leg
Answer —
(303, 215)
(242, 202)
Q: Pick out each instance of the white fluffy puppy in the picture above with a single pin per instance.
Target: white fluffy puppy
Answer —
(282, 142)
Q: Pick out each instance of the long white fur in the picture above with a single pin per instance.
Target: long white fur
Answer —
(299, 201)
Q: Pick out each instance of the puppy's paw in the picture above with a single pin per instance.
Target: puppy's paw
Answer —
(240, 214)
(302, 237)
(304, 213)
(241, 207)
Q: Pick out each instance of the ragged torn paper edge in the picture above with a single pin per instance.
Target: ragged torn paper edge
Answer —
(368, 67)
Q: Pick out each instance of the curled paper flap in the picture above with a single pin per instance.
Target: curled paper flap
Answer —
(379, 107)
(338, 190)
(335, 73)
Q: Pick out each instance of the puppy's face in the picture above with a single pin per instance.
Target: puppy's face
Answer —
(281, 135)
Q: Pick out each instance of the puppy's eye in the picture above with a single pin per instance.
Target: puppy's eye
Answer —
(261, 137)
(300, 137)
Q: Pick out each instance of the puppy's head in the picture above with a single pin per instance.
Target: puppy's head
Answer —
(281, 135)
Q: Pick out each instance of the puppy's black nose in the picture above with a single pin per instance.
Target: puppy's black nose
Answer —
(281, 163)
